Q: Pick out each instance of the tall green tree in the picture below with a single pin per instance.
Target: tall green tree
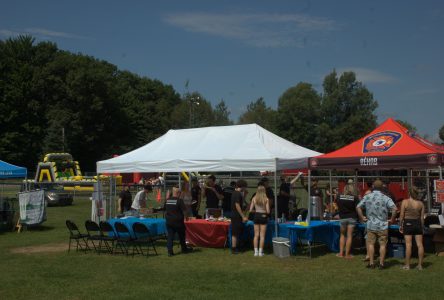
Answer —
(22, 104)
(347, 112)
(221, 114)
(441, 133)
(299, 114)
(258, 112)
(407, 125)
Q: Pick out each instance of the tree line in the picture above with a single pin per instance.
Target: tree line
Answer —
(53, 100)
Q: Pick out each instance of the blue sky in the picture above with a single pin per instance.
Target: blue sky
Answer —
(239, 51)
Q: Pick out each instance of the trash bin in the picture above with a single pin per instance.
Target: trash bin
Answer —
(281, 247)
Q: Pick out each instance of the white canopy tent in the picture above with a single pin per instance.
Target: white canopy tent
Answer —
(221, 148)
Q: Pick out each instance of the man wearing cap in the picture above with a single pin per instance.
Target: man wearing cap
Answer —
(141, 197)
(377, 206)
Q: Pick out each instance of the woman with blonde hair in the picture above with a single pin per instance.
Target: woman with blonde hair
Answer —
(347, 213)
(261, 206)
(411, 223)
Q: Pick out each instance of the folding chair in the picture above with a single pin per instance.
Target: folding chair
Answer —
(80, 238)
(96, 236)
(124, 238)
(108, 235)
(143, 237)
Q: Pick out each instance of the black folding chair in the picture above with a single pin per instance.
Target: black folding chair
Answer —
(124, 239)
(81, 239)
(108, 234)
(143, 237)
(97, 238)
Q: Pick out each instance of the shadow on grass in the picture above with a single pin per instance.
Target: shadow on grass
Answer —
(40, 228)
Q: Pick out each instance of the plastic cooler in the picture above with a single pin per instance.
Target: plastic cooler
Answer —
(281, 247)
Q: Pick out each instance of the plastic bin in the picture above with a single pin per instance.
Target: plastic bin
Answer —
(397, 251)
(281, 247)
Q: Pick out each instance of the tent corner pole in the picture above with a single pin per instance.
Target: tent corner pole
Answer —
(440, 172)
(429, 196)
(275, 201)
(309, 196)
(331, 190)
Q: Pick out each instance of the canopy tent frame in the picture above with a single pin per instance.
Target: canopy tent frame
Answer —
(213, 149)
(388, 147)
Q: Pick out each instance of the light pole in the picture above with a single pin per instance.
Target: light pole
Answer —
(193, 100)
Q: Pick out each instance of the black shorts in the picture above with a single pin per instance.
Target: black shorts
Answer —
(260, 218)
(236, 227)
(412, 227)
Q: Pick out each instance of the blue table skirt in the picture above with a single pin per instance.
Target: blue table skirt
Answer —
(156, 226)
(317, 232)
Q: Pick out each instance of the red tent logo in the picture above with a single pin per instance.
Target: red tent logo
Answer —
(432, 159)
(381, 141)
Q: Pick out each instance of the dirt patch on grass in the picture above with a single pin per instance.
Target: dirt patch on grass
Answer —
(48, 248)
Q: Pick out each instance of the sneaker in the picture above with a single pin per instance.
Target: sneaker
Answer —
(405, 267)
(419, 267)
(261, 254)
(370, 266)
(381, 267)
(170, 254)
(234, 251)
(256, 253)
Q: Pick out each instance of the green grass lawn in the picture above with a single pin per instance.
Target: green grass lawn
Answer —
(204, 274)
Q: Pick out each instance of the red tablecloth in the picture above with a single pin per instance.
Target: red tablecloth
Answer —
(204, 233)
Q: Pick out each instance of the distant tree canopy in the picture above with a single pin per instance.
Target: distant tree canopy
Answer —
(441, 133)
(102, 110)
(53, 100)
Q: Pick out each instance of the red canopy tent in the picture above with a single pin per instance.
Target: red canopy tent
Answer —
(389, 146)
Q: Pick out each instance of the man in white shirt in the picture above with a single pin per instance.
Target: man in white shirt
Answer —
(141, 197)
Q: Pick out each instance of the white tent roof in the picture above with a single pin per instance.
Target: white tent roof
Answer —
(222, 148)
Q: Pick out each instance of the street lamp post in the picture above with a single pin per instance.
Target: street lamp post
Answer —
(193, 101)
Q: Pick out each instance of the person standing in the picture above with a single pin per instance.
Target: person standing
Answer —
(377, 206)
(226, 204)
(213, 192)
(283, 198)
(125, 199)
(196, 196)
(141, 198)
(237, 215)
(347, 213)
(261, 207)
(411, 223)
(175, 212)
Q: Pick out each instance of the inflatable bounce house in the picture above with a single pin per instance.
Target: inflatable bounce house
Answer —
(60, 168)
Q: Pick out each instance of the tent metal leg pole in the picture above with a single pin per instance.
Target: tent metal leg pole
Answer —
(275, 203)
(331, 192)
(309, 197)
(429, 198)
(440, 172)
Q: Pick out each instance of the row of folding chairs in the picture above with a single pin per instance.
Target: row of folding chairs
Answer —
(103, 238)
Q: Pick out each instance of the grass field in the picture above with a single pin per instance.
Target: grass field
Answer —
(29, 271)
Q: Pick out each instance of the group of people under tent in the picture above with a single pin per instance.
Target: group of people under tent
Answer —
(374, 209)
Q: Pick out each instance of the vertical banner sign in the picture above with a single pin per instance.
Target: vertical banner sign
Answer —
(439, 190)
(32, 207)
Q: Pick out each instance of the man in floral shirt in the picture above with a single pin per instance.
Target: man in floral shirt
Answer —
(377, 206)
